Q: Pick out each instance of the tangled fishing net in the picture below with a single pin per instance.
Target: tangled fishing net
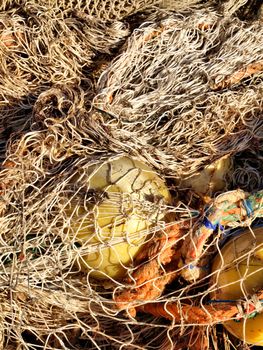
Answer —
(131, 175)
(166, 94)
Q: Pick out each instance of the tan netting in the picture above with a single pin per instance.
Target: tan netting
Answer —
(178, 5)
(104, 244)
(49, 205)
(104, 9)
(107, 10)
(41, 46)
(187, 89)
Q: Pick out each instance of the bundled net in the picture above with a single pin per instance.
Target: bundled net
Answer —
(185, 90)
(41, 46)
(108, 240)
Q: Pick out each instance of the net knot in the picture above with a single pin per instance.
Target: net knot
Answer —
(249, 308)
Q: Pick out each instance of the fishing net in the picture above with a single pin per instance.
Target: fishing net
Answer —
(42, 46)
(102, 246)
(104, 9)
(50, 302)
(54, 49)
(245, 9)
(182, 89)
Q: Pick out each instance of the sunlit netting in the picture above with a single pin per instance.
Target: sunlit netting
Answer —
(54, 195)
(178, 5)
(103, 9)
(98, 249)
(51, 203)
(41, 47)
(106, 10)
(63, 218)
(110, 9)
(185, 90)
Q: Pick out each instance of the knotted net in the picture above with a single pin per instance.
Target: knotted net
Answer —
(168, 90)
(185, 89)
